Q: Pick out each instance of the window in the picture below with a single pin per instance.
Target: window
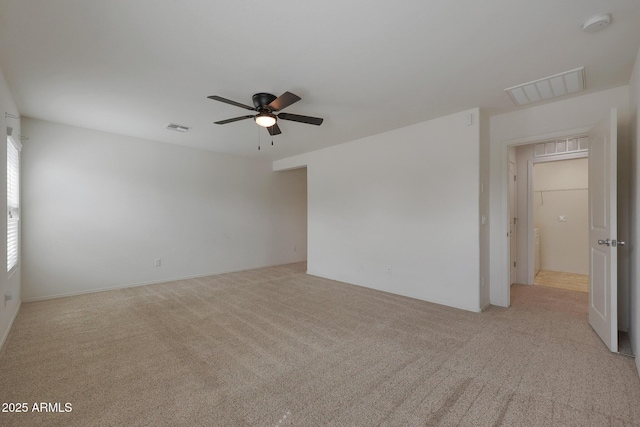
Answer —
(13, 202)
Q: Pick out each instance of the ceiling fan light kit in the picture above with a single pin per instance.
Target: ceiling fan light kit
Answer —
(266, 105)
(266, 120)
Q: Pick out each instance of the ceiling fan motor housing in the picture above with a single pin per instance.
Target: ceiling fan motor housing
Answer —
(263, 99)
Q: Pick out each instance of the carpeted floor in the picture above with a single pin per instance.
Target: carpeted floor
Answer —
(275, 347)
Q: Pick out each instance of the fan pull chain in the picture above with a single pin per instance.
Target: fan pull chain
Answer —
(258, 138)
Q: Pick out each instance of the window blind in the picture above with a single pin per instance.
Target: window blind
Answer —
(13, 203)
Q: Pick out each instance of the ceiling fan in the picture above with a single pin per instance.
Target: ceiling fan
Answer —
(267, 105)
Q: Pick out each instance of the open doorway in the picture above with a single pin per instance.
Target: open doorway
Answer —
(551, 208)
(603, 298)
(550, 212)
(560, 221)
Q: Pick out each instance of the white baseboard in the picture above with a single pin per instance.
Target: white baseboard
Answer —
(13, 318)
(151, 282)
(404, 294)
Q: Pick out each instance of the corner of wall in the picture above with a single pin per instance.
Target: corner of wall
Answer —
(289, 163)
(369, 215)
(10, 324)
(483, 207)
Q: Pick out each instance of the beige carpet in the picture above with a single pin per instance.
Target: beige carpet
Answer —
(275, 347)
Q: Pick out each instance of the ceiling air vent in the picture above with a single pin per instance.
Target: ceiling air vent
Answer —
(177, 128)
(550, 87)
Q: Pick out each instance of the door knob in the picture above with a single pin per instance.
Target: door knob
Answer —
(617, 243)
(604, 242)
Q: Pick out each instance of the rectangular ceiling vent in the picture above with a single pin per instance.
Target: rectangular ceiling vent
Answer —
(177, 128)
(549, 87)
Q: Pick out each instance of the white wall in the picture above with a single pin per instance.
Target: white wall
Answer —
(550, 120)
(9, 284)
(561, 189)
(99, 208)
(398, 211)
(634, 246)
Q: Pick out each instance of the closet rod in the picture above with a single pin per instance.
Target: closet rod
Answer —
(564, 189)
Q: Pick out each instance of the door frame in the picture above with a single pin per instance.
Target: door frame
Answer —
(504, 288)
(513, 231)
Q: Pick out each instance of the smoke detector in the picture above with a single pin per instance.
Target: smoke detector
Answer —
(596, 23)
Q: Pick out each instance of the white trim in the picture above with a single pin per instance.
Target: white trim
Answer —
(439, 301)
(150, 282)
(559, 157)
(547, 136)
(13, 318)
(530, 225)
(515, 225)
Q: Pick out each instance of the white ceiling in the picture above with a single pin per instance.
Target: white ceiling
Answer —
(130, 67)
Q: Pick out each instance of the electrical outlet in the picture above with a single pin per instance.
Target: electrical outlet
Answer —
(157, 262)
(484, 219)
(7, 297)
(389, 270)
(562, 218)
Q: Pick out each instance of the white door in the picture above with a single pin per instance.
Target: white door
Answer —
(603, 251)
(512, 221)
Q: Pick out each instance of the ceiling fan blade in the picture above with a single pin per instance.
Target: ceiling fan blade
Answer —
(302, 119)
(274, 130)
(228, 101)
(283, 101)
(235, 119)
